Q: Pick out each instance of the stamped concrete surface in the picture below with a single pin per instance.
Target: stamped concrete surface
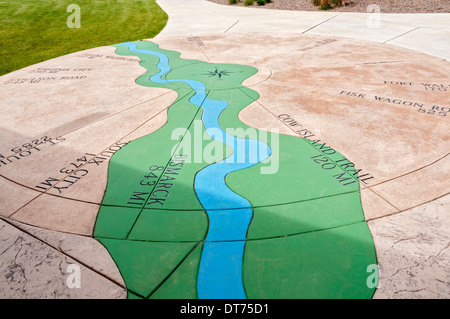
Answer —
(413, 251)
(382, 103)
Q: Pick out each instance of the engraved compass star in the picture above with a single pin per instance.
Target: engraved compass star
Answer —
(218, 73)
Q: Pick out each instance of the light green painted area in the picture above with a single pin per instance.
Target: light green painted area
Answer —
(144, 265)
(318, 265)
(170, 225)
(231, 75)
(115, 221)
(307, 237)
(307, 216)
(238, 99)
(137, 175)
(132, 180)
(297, 176)
(131, 295)
(183, 282)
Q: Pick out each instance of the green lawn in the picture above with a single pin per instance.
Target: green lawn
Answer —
(33, 31)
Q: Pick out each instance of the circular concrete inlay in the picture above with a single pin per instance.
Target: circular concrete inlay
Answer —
(356, 131)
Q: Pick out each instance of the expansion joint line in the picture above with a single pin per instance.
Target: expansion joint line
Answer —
(78, 261)
(401, 35)
(237, 21)
(321, 23)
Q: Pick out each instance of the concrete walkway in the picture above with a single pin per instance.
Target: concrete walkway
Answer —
(426, 33)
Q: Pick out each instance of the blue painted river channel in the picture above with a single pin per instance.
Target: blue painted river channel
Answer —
(229, 214)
